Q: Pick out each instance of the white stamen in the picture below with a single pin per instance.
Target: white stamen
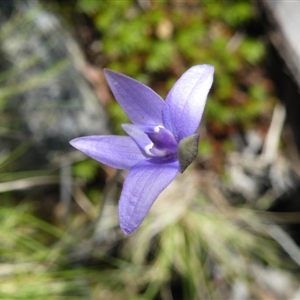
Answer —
(147, 149)
(157, 128)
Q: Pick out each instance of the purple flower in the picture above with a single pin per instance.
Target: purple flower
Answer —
(161, 141)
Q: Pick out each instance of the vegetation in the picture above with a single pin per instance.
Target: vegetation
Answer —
(195, 244)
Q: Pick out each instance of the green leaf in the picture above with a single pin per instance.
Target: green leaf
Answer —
(187, 151)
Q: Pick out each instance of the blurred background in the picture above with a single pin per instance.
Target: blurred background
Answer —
(228, 228)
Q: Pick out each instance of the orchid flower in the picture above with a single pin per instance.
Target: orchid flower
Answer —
(161, 142)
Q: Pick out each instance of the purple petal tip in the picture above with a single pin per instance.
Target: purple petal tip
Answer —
(74, 142)
(127, 231)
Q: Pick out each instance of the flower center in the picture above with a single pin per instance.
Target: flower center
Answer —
(163, 141)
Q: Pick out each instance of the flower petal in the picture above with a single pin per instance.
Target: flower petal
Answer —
(185, 102)
(119, 152)
(140, 137)
(141, 104)
(144, 182)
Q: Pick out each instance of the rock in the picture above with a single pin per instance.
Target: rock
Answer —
(45, 98)
(281, 22)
